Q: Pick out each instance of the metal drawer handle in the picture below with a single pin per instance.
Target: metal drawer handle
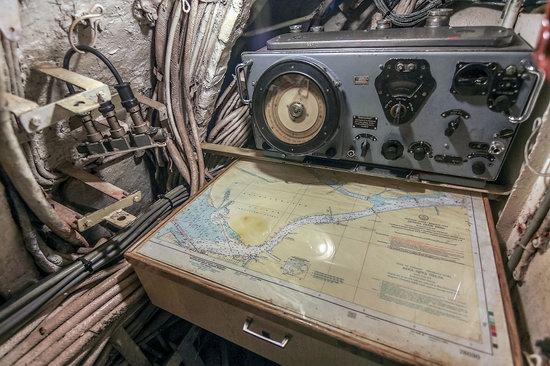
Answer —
(246, 329)
(240, 69)
(539, 83)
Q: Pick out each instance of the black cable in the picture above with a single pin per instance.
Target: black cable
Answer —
(19, 311)
(14, 323)
(407, 20)
(22, 300)
(70, 53)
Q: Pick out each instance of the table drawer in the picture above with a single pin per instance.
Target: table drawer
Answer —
(285, 345)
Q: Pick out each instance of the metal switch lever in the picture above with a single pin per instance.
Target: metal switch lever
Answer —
(453, 125)
(364, 148)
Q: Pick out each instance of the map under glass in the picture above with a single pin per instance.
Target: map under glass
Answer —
(395, 263)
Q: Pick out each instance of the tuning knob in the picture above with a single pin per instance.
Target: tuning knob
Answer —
(392, 150)
(478, 168)
(502, 103)
(419, 153)
(420, 150)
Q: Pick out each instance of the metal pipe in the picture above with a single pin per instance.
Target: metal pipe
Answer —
(531, 229)
(232, 104)
(190, 35)
(55, 327)
(203, 34)
(510, 13)
(233, 124)
(17, 168)
(44, 352)
(96, 351)
(178, 161)
(17, 67)
(6, 43)
(227, 93)
(113, 284)
(242, 132)
(231, 117)
(174, 25)
(104, 355)
(39, 163)
(177, 110)
(32, 165)
(30, 236)
(10, 49)
(17, 338)
(70, 345)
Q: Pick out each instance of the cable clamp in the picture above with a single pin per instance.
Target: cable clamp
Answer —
(158, 74)
(168, 199)
(87, 264)
(186, 7)
(90, 19)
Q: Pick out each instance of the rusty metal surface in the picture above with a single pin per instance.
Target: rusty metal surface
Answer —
(135, 149)
(33, 117)
(18, 106)
(94, 182)
(120, 219)
(98, 216)
(67, 214)
(156, 105)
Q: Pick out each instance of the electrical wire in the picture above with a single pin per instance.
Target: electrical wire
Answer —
(16, 313)
(71, 52)
(407, 20)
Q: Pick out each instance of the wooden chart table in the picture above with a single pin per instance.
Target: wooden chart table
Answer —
(317, 267)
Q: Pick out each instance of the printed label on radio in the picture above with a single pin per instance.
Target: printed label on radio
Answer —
(369, 123)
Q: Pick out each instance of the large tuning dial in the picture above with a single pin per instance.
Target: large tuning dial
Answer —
(403, 86)
(296, 107)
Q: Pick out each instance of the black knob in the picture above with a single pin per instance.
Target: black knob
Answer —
(478, 168)
(453, 125)
(331, 152)
(392, 150)
(419, 153)
(502, 103)
(364, 148)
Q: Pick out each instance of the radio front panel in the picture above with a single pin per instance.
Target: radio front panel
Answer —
(444, 111)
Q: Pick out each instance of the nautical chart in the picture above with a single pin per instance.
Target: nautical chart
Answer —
(399, 264)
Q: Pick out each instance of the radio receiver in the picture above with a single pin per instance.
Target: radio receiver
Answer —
(431, 100)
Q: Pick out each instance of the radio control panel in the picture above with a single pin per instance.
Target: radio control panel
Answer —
(444, 101)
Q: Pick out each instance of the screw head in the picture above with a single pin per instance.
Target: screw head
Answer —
(511, 70)
(297, 28)
(35, 122)
(101, 97)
